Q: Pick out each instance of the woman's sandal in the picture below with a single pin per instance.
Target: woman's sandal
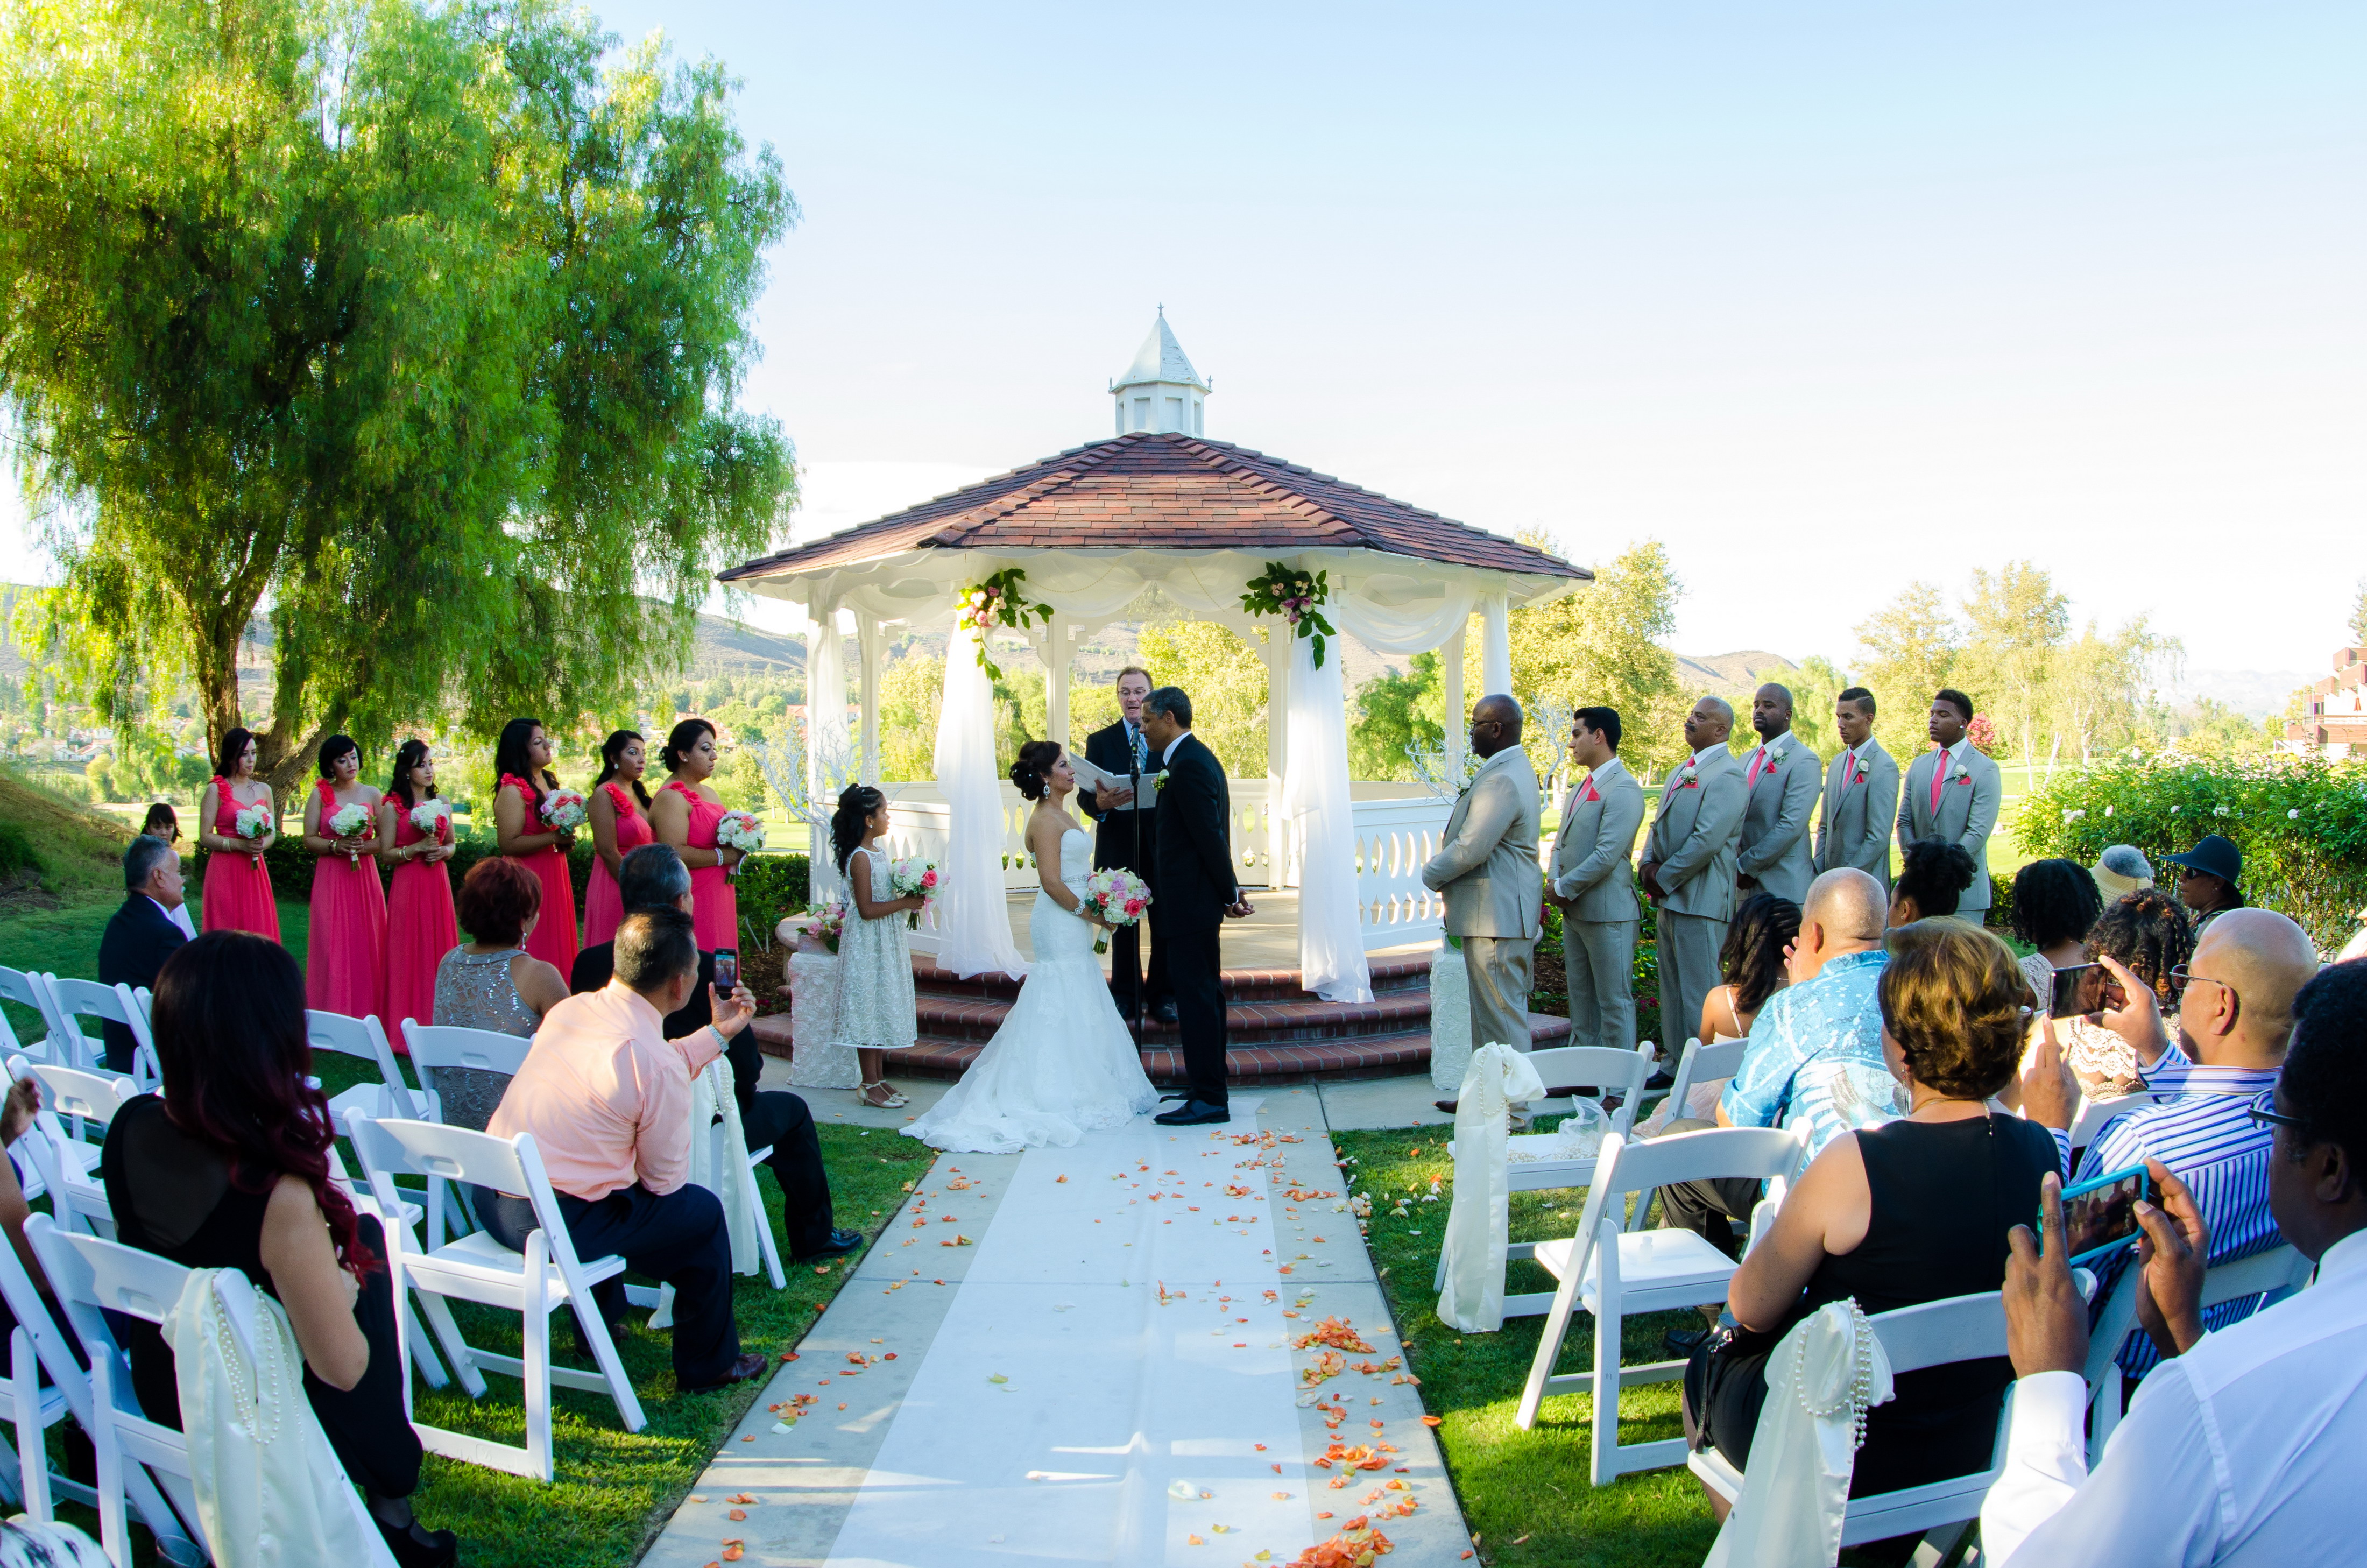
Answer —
(890, 1103)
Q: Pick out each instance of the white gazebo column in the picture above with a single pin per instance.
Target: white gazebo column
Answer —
(871, 640)
(1458, 716)
(1496, 651)
(1280, 873)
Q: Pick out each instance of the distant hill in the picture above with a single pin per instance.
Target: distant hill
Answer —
(725, 647)
(1728, 674)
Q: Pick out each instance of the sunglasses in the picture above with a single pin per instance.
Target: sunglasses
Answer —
(2264, 1112)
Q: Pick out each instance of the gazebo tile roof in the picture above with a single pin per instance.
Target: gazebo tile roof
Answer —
(1165, 491)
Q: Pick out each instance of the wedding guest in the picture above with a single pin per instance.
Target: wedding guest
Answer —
(1861, 799)
(617, 809)
(229, 1168)
(2054, 905)
(875, 966)
(1487, 867)
(1589, 882)
(142, 933)
(607, 1096)
(1780, 784)
(1127, 839)
(347, 942)
(1754, 962)
(1953, 792)
(237, 891)
(2146, 934)
(2207, 878)
(522, 763)
(162, 822)
(494, 981)
(1687, 865)
(1914, 1210)
(1932, 881)
(2121, 870)
(685, 814)
(421, 926)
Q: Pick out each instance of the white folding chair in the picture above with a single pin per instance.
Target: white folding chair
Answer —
(92, 1277)
(478, 1268)
(1703, 1064)
(2088, 1122)
(441, 1046)
(65, 1161)
(1531, 1161)
(41, 1345)
(2272, 1275)
(391, 1097)
(733, 1136)
(79, 999)
(1614, 1276)
(29, 990)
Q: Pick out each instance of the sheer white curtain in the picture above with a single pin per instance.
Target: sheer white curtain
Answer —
(1315, 796)
(829, 759)
(973, 917)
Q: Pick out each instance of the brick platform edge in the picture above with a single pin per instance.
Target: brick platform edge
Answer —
(1278, 1031)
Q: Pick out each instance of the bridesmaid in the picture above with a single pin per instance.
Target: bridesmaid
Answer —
(684, 815)
(420, 927)
(237, 894)
(347, 947)
(522, 761)
(620, 825)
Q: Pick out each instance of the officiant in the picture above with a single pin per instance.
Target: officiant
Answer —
(1127, 838)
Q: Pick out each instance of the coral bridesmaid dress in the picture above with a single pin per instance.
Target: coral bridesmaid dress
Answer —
(603, 905)
(714, 902)
(553, 938)
(420, 929)
(237, 894)
(348, 945)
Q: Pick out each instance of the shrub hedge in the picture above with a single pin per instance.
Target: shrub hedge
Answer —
(2300, 822)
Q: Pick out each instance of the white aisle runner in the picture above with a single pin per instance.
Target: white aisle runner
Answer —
(1114, 1378)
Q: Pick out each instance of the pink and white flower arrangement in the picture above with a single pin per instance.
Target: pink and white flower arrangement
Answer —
(434, 819)
(1118, 896)
(828, 922)
(740, 831)
(911, 876)
(563, 810)
(252, 821)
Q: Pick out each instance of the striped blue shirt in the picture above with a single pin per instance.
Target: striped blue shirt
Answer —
(1814, 1057)
(2209, 1141)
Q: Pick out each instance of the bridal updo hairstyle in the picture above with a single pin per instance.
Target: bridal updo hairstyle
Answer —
(679, 741)
(1029, 770)
(856, 805)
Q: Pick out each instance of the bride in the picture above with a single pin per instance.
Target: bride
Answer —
(1062, 1064)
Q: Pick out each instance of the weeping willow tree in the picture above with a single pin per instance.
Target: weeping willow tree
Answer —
(417, 327)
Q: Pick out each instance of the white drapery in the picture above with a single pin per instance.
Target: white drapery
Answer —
(829, 752)
(1480, 1219)
(973, 916)
(1820, 1378)
(1315, 797)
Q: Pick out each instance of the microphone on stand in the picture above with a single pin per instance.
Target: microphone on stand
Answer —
(1142, 943)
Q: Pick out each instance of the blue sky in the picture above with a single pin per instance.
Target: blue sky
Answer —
(1828, 297)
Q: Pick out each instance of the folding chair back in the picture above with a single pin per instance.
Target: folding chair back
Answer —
(1762, 1154)
(81, 1094)
(364, 1038)
(80, 999)
(29, 990)
(1604, 1069)
(2272, 1275)
(1704, 1064)
(449, 1045)
(2094, 1114)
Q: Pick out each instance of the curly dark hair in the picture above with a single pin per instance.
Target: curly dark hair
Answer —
(1028, 768)
(2054, 902)
(856, 805)
(2147, 931)
(1935, 873)
(1752, 958)
(1956, 1002)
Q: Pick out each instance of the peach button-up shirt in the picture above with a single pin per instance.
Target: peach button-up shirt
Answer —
(607, 1095)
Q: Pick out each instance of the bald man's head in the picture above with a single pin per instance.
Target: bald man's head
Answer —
(1495, 724)
(1849, 904)
(2264, 960)
(1709, 724)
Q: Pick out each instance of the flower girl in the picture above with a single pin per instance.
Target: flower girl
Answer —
(875, 967)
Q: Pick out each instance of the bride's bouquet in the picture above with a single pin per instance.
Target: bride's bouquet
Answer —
(740, 831)
(1117, 896)
(563, 810)
(910, 876)
(348, 822)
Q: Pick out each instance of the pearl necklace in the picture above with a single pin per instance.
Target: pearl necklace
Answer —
(1859, 1395)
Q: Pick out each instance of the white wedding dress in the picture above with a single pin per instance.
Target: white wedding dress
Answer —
(1062, 1064)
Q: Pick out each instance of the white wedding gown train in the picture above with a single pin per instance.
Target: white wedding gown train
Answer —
(1062, 1064)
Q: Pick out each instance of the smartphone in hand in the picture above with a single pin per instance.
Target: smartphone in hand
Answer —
(2101, 1215)
(726, 972)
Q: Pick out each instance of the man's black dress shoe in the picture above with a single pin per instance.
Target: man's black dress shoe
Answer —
(751, 1364)
(1193, 1113)
(1163, 1011)
(841, 1242)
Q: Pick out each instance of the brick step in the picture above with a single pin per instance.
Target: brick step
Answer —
(1397, 976)
(1246, 1023)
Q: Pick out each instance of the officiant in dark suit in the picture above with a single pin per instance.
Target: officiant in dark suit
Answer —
(142, 933)
(1127, 839)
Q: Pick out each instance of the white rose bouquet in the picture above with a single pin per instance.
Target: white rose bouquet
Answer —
(252, 821)
(740, 831)
(563, 810)
(433, 818)
(348, 822)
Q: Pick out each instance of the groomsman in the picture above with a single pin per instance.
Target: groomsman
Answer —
(1128, 838)
(1780, 784)
(1860, 794)
(1590, 884)
(1953, 793)
(1688, 865)
(1487, 867)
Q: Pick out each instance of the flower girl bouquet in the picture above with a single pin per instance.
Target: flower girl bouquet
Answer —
(913, 875)
(563, 810)
(1118, 896)
(740, 831)
(348, 822)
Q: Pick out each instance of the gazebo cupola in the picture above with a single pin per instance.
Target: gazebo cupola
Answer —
(1161, 391)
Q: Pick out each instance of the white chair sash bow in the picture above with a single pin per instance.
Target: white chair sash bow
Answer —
(1477, 1225)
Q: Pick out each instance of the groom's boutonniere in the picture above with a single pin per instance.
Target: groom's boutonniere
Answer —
(1158, 781)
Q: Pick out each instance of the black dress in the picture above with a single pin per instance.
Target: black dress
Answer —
(173, 1196)
(1944, 1194)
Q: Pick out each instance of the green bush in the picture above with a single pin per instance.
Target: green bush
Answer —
(2300, 824)
(17, 853)
(771, 886)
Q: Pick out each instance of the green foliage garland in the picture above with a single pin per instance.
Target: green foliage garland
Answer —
(998, 601)
(1295, 596)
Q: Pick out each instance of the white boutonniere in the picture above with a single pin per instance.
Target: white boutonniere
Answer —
(1688, 774)
(1963, 775)
(1158, 781)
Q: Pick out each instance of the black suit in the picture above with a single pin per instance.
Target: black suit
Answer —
(1196, 886)
(140, 936)
(1114, 845)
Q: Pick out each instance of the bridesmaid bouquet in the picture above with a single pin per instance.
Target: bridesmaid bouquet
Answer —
(913, 875)
(252, 821)
(1118, 896)
(434, 819)
(563, 810)
(740, 831)
(348, 822)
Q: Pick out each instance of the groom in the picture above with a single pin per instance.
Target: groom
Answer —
(1197, 891)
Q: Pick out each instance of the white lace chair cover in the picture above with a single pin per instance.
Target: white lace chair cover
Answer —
(814, 1061)
(1821, 1378)
(1450, 1019)
(1477, 1225)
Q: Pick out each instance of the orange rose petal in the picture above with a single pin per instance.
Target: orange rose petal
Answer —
(1431, 1420)
(731, 1553)
(737, 1515)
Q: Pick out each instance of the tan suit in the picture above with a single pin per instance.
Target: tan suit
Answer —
(1590, 868)
(1692, 843)
(1967, 812)
(1775, 850)
(1860, 810)
(1487, 867)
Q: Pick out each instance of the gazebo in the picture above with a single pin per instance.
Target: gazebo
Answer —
(1159, 504)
